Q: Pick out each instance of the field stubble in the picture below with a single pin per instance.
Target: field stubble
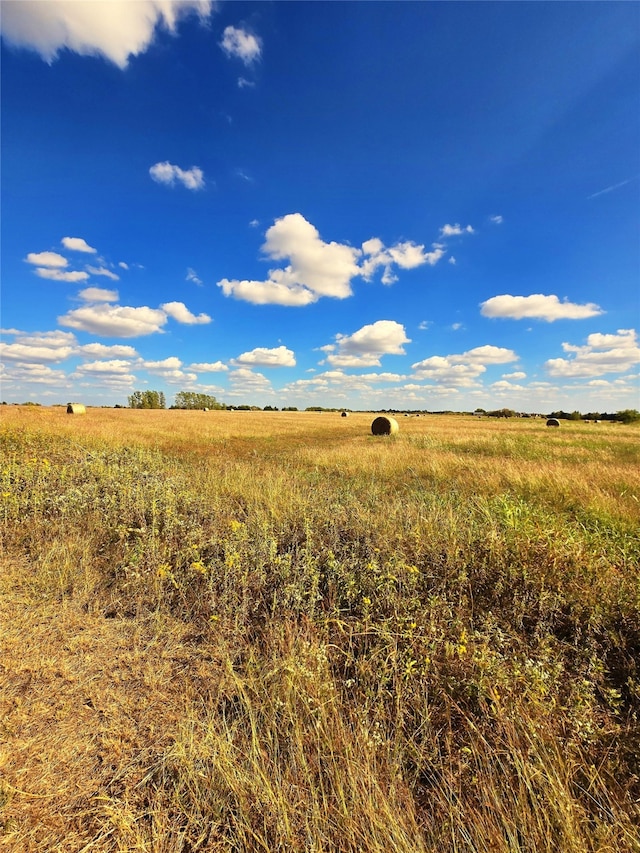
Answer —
(274, 631)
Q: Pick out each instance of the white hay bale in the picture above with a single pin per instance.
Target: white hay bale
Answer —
(344, 415)
(384, 426)
(553, 422)
(76, 409)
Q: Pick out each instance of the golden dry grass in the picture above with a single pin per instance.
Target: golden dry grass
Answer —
(274, 631)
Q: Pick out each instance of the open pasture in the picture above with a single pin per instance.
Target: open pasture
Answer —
(239, 631)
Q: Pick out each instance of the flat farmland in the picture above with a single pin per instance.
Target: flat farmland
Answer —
(274, 631)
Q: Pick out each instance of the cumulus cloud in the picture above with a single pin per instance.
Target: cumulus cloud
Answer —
(462, 369)
(97, 350)
(98, 294)
(115, 321)
(180, 312)
(406, 255)
(538, 307)
(237, 42)
(208, 366)
(34, 374)
(115, 30)
(263, 357)
(46, 259)
(602, 354)
(245, 382)
(104, 272)
(121, 321)
(58, 275)
(317, 268)
(365, 347)
(39, 347)
(167, 173)
(455, 230)
(77, 244)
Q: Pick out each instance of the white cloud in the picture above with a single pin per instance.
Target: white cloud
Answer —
(58, 275)
(452, 261)
(518, 374)
(462, 370)
(497, 219)
(192, 275)
(115, 366)
(97, 350)
(602, 354)
(77, 244)
(180, 312)
(46, 259)
(39, 346)
(365, 347)
(115, 30)
(120, 321)
(169, 369)
(208, 367)
(115, 321)
(98, 294)
(35, 374)
(167, 173)
(245, 382)
(263, 357)
(241, 44)
(406, 255)
(243, 83)
(123, 265)
(537, 306)
(455, 230)
(104, 272)
(457, 326)
(318, 269)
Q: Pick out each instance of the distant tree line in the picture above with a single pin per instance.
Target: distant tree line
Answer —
(147, 400)
(193, 400)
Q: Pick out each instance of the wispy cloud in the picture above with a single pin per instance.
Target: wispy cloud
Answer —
(613, 187)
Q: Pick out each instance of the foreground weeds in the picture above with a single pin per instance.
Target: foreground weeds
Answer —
(246, 632)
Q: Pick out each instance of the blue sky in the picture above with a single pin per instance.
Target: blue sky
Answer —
(365, 205)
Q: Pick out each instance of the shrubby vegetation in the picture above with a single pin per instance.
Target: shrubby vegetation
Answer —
(319, 640)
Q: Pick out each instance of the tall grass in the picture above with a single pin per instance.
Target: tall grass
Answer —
(277, 632)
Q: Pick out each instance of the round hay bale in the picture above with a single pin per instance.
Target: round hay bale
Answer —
(554, 422)
(344, 415)
(384, 426)
(76, 409)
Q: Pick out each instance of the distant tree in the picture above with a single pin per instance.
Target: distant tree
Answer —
(575, 416)
(147, 400)
(290, 409)
(501, 413)
(194, 400)
(270, 409)
(628, 416)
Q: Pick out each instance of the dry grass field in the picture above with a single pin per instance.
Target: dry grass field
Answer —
(272, 631)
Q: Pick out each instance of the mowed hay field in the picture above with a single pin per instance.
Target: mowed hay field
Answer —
(239, 631)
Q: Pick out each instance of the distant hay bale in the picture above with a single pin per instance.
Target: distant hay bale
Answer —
(344, 415)
(384, 426)
(205, 409)
(76, 409)
(553, 422)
